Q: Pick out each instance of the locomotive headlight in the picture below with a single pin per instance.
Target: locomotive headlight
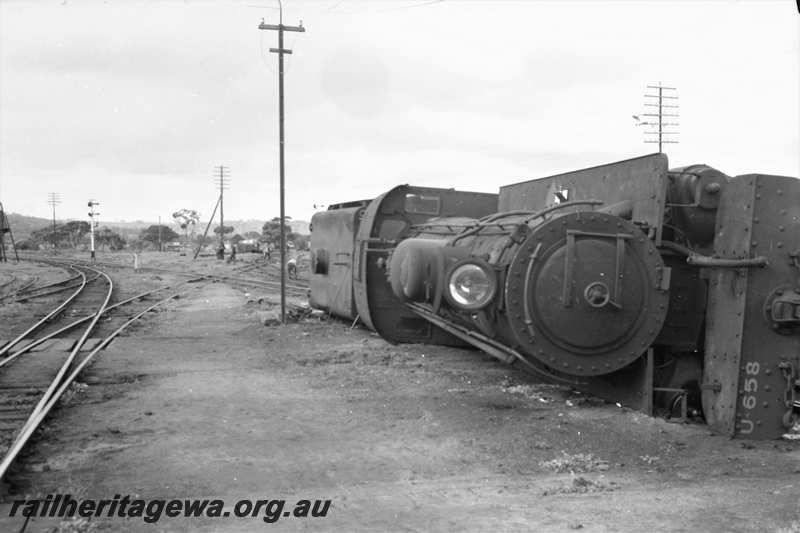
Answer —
(471, 285)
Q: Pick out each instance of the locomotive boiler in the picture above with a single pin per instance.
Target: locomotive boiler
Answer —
(567, 290)
(655, 288)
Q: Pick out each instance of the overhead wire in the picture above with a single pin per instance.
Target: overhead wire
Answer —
(334, 9)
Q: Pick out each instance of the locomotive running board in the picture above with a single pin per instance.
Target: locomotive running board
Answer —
(632, 386)
(491, 347)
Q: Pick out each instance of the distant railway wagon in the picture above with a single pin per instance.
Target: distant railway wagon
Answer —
(656, 288)
(248, 246)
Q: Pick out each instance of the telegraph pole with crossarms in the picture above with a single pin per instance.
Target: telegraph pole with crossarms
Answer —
(280, 28)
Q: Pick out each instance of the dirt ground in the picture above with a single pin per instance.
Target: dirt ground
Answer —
(202, 401)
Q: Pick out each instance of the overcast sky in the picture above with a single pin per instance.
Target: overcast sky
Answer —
(135, 103)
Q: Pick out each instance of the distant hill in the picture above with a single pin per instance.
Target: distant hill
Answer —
(22, 226)
(243, 226)
(300, 226)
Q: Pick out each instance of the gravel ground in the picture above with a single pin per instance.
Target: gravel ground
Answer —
(202, 401)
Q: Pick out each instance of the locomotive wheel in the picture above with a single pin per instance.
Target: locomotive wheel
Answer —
(584, 293)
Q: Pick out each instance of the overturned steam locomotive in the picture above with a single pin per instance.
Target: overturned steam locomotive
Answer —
(643, 285)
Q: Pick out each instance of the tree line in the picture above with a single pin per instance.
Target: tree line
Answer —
(75, 234)
(72, 234)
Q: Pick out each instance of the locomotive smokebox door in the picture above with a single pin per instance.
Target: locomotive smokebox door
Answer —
(587, 293)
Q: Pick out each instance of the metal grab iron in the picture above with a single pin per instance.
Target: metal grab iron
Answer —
(610, 298)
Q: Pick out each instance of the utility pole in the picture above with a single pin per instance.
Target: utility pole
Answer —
(281, 51)
(159, 233)
(222, 176)
(92, 224)
(210, 221)
(5, 227)
(660, 126)
(54, 199)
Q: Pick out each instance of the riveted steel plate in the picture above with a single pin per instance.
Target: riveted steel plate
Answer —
(725, 311)
(760, 401)
(548, 294)
(641, 180)
(386, 221)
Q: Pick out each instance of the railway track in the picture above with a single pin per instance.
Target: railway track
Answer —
(72, 320)
(24, 285)
(29, 290)
(41, 362)
(297, 290)
(272, 272)
(11, 279)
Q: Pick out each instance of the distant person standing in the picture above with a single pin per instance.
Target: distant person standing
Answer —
(291, 266)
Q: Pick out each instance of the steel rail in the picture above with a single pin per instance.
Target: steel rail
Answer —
(36, 418)
(80, 321)
(291, 286)
(26, 297)
(9, 282)
(248, 267)
(265, 282)
(34, 289)
(296, 287)
(268, 269)
(50, 315)
(65, 366)
(52, 284)
(29, 283)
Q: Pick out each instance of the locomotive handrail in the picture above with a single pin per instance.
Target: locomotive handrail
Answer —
(489, 221)
(747, 262)
(526, 306)
(623, 209)
(675, 247)
(441, 225)
(566, 298)
(556, 207)
(695, 259)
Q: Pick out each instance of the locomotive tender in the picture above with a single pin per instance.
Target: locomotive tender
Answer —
(640, 284)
